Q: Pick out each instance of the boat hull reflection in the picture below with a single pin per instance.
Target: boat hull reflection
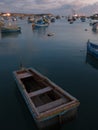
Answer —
(91, 60)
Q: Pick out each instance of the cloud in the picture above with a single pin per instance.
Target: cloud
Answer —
(90, 9)
(30, 5)
(43, 6)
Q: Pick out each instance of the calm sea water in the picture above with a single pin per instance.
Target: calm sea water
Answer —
(62, 58)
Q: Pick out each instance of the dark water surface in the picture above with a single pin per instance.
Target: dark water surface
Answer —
(62, 58)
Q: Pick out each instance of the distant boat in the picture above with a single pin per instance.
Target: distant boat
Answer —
(92, 49)
(95, 26)
(48, 103)
(52, 19)
(1, 23)
(10, 26)
(83, 18)
(9, 29)
(71, 22)
(31, 20)
(41, 23)
(92, 22)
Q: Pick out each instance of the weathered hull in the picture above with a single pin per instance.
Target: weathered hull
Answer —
(52, 116)
(58, 119)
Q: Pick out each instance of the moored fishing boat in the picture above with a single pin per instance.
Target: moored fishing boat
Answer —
(47, 102)
(31, 20)
(95, 26)
(10, 25)
(9, 29)
(1, 23)
(92, 49)
(83, 18)
(41, 23)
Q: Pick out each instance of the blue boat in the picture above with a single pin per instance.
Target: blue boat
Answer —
(92, 49)
(41, 23)
(83, 19)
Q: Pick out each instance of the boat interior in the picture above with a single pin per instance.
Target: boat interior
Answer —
(42, 93)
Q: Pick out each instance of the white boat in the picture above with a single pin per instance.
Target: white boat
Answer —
(31, 20)
(9, 29)
(95, 26)
(10, 26)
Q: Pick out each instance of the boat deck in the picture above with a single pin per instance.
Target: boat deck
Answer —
(47, 102)
(44, 97)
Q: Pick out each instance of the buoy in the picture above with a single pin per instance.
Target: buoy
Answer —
(50, 34)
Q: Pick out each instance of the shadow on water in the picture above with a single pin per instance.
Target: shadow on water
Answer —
(24, 109)
(40, 31)
(27, 115)
(91, 60)
(95, 31)
(10, 35)
(54, 127)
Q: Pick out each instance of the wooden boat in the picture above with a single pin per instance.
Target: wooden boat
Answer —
(1, 23)
(10, 29)
(47, 102)
(92, 49)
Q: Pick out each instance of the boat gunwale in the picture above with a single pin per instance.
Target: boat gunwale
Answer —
(54, 86)
(54, 111)
(93, 45)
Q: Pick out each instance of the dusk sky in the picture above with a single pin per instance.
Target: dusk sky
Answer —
(43, 6)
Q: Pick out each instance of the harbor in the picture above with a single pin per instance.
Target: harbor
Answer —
(62, 57)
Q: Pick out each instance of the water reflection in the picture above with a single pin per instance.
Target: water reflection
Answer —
(95, 31)
(92, 61)
(39, 31)
(53, 127)
(10, 35)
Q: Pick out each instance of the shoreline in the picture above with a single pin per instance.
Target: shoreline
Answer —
(24, 14)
